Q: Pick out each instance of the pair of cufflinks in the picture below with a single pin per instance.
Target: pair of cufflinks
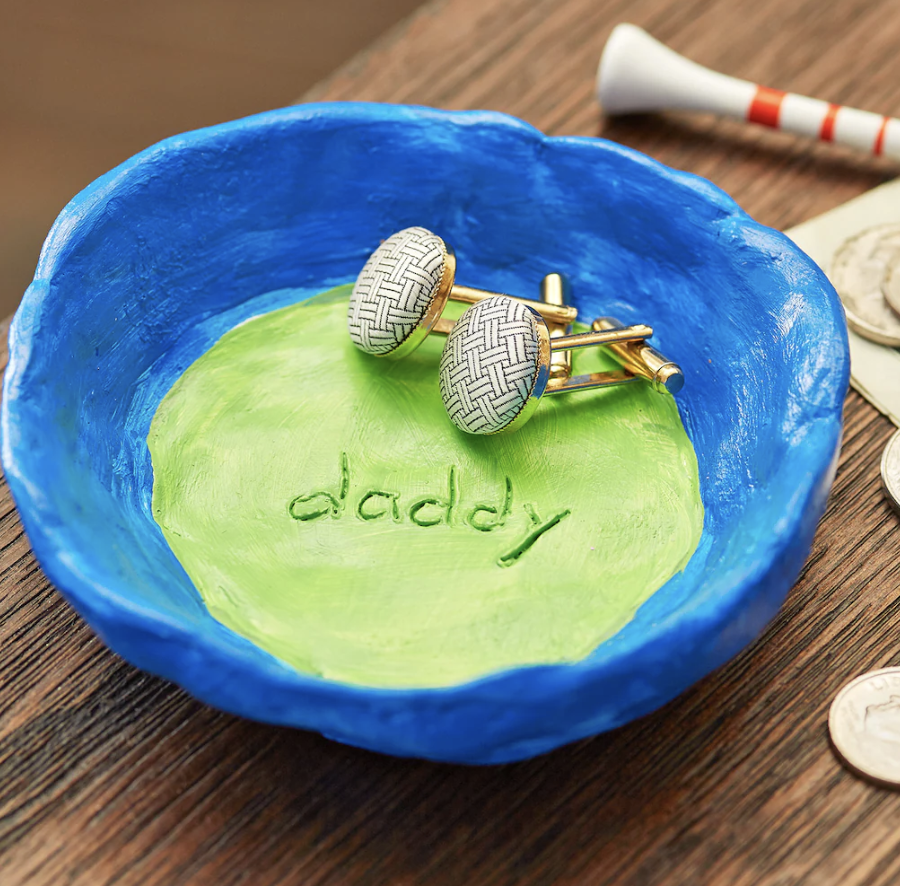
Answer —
(504, 353)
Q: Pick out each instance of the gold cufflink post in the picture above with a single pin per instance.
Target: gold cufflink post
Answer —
(496, 365)
(555, 291)
(641, 359)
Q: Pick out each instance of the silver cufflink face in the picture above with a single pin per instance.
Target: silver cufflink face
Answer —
(400, 293)
(495, 366)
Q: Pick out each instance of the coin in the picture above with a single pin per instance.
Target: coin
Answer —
(890, 469)
(858, 270)
(864, 722)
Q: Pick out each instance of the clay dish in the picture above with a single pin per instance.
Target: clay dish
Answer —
(173, 245)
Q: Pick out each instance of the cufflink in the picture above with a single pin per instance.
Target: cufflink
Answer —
(403, 288)
(497, 361)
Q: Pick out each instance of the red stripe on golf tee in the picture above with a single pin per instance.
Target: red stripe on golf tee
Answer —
(766, 106)
(879, 139)
(826, 133)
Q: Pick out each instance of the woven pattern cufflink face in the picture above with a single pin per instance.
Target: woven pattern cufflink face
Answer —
(395, 290)
(493, 364)
(404, 287)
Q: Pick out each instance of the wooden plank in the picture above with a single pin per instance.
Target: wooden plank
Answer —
(108, 775)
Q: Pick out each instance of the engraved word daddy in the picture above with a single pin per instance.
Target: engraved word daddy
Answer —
(372, 505)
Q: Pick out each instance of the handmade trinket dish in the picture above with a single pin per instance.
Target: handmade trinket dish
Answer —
(148, 286)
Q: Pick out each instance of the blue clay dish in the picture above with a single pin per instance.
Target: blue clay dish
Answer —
(151, 264)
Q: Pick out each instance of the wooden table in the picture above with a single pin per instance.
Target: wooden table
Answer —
(108, 775)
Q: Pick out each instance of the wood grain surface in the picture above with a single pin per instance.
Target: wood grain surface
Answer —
(108, 775)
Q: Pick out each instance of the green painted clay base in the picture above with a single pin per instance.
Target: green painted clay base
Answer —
(327, 510)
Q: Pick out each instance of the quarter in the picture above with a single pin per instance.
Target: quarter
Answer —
(864, 722)
(859, 271)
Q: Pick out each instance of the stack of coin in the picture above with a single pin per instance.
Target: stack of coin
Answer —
(866, 273)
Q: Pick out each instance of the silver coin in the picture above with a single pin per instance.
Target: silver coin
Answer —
(890, 469)
(864, 722)
(858, 270)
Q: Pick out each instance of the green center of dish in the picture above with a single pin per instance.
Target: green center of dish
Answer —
(327, 510)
